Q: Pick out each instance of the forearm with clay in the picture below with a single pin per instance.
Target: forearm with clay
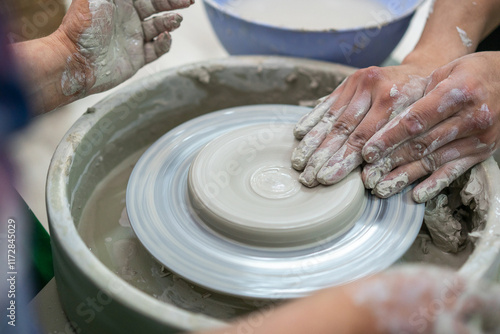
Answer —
(99, 44)
(454, 28)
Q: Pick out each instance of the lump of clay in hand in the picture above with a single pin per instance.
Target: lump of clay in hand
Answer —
(447, 232)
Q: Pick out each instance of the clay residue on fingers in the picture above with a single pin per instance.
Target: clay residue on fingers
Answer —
(375, 172)
(339, 166)
(440, 141)
(412, 91)
(392, 186)
(429, 189)
(309, 120)
(319, 158)
(313, 140)
(452, 99)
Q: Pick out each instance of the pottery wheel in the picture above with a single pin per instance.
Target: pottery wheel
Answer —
(217, 202)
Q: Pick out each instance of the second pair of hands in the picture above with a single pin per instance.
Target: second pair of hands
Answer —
(403, 123)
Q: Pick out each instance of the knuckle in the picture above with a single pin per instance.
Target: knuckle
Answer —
(482, 120)
(414, 123)
(342, 127)
(387, 102)
(429, 163)
(371, 74)
(473, 89)
(485, 140)
(418, 148)
(358, 139)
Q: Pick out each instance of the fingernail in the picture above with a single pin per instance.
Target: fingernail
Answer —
(298, 160)
(371, 154)
(338, 167)
(372, 178)
(298, 132)
(330, 175)
(388, 188)
(423, 194)
(308, 179)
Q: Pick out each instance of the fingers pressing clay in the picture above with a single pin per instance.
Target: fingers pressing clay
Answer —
(443, 177)
(321, 119)
(437, 162)
(313, 139)
(146, 8)
(365, 101)
(339, 133)
(328, 147)
(445, 165)
(439, 104)
(156, 25)
(417, 148)
(411, 127)
(158, 47)
(349, 156)
(340, 165)
(309, 120)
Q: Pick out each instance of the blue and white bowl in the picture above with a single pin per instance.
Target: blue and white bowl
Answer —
(360, 46)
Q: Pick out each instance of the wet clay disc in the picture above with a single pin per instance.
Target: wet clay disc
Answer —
(242, 185)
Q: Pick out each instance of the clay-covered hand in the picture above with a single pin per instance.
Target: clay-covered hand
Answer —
(428, 299)
(112, 39)
(453, 127)
(335, 131)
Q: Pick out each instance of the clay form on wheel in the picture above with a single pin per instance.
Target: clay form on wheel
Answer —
(243, 186)
(268, 237)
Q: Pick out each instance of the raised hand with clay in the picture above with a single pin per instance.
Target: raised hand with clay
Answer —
(453, 127)
(335, 133)
(99, 44)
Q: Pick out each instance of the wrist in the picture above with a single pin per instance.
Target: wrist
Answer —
(60, 44)
(427, 60)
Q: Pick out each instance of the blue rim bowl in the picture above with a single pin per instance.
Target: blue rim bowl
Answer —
(358, 47)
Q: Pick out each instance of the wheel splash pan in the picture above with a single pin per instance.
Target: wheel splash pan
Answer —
(133, 118)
